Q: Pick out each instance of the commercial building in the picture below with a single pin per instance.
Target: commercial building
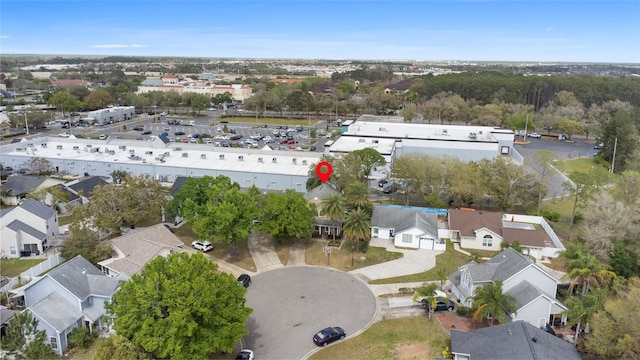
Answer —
(165, 161)
(110, 115)
(169, 82)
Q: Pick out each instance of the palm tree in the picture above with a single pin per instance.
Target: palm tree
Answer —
(580, 310)
(333, 209)
(490, 300)
(584, 269)
(428, 291)
(356, 195)
(357, 225)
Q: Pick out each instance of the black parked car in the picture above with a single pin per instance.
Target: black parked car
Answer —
(244, 280)
(441, 304)
(178, 133)
(146, 132)
(383, 182)
(328, 335)
(138, 128)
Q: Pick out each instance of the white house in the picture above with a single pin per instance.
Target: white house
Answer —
(27, 229)
(532, 287)
(135, 249)
(71, 295)
(486, 230)
(409, 227)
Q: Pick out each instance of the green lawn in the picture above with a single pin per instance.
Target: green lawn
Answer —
(342, 259)
(392, 339)
(570, 166)
(14, 267)
(450, 260)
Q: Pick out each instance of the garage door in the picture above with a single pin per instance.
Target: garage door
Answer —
(426, 243)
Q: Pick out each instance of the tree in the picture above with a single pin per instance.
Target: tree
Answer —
(23, 340)
(508, 184)
(370, 159)
(621, 134)
(357, 226)
(64, 101)
(581, 309)
(180, 307)
(409, 111)
(99, 99)
(356, 196)
(627, 187)
(40, 166)
(615, 331)
(197, 190)
(118, 347)
(286, 215)
(544, 160)
(584, 269)
(86, 242)
(580, 185)
(51, 196)
(490, 300)
(428, 291)
(118, 176)
(570, 127)
(333, 209)
(200, 102)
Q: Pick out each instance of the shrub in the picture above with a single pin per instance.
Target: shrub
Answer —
(364, 246)
(463, 310)
(80, 337)
(578, 217)
(550, 215)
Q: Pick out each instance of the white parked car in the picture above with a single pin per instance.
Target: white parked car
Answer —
(534, 135)
(64, 134)
(437, 294)
(203, 246)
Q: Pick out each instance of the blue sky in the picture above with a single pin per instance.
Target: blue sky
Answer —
(571, 31)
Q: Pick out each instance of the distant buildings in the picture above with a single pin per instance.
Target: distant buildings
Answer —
(204, 86)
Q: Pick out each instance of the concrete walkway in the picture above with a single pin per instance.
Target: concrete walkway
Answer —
(413, 262)
(263, 252)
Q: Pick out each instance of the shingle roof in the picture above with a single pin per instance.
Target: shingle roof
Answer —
(535, 238)
(22, 184)
(38, 209)
(515, 340)
(468, 221)
(17, 225)
(320, 192)
(177, 184)
(401, 219)
(524, 293)
(73, 276)
(87, 185)
(56, 311)
(500, 267)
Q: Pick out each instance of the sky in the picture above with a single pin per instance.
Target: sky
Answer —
(472, 30)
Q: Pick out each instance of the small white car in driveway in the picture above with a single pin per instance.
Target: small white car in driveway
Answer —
(535, 135)
(203, 246)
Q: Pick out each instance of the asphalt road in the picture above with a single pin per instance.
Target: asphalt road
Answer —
(291, 304)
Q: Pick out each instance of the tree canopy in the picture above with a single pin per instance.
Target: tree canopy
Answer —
(23, 340)
(286, 215)
(180, 307)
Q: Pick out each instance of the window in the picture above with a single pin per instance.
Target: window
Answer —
(13, 250)
(407, 238)
(487, 241)
(375, 232)
(54, 342)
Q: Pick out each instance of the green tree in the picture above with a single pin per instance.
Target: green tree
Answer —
(544, 161)
(357, 226)
(180, 307)
(64, 101)
(23, 340)
(620, 134)
(584, 269)
(86, 242)
(99, 99)
(199, 102)
(370, 159)
(509, 184)
(286, 215)
(428, 294)
(119, 176)
(197, 190)
(615, 330)
(490, 300)
(581, 309)
(356, 196)
(580, 185)
(118, 347)
(570, 127)
(333, 208)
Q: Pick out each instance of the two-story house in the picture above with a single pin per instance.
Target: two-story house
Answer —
(71, 295)
(27, 229)
(135, 249)
(532, 287)
(15, 190)
(324, 226)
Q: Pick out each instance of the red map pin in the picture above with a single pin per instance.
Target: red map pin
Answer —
(324, 169)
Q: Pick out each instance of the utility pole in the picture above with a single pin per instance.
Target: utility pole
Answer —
(26, 124)
(613, 161)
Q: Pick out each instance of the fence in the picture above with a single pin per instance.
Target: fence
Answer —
(47, 264)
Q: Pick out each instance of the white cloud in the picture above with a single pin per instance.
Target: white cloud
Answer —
(4, 36)
(118, 46)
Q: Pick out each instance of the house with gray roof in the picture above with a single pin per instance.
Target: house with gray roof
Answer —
(315, 196)
(409, 227)
(136, 248)
(516, 340)
(17, 187)
(28, 229)
(532, 287)
(69, 296)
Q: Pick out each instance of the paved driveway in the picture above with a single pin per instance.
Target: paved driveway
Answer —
(291, 304)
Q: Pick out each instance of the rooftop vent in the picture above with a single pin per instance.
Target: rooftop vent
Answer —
(59, 147)
(132, 151)
(221, 157)
(304, 162)
(149, 152)
(185, 155)
(76, 147)
(240, 157)
(44, 145)
(274, 160)
(203, 156)
(295, 161)
(260, 160)
(122, 147)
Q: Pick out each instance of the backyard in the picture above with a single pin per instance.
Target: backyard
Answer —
(14, 267)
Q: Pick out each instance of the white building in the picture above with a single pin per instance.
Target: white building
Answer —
(268, 170)
(111, 115)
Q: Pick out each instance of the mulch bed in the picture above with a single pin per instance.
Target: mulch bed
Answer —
(451, 320)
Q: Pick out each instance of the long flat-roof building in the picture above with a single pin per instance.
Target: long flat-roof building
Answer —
(162, 160)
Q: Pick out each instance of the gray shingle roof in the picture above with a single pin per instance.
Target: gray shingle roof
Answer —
(22, 184)
(73, 275)
(524, 293)
(56, 311)
(320, 192)
(38, 209)
(500, 267)
(401, 219)
(87, 185)
(518, 340)
(17, 225)
(177, 184)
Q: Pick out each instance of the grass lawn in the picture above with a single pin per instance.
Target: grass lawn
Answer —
(282, 249)
(392, 339)
(341, 259)
(450, 260)
(64, 220)
(570, 166)
(14, 267)
(238, 256)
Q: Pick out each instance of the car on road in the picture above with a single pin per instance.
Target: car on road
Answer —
(312, 148)
(598, 146)
(328, 335)
(244, 280)
(166, 128)
(383, 182)
(224, 122)
(441, 304)
(245, 354)
(178, 133)
(235, 137)
(64, 135)
(534, 135)
(146, 132)
(139, 128)
(203, 246)
(164, 134)
(103, 137)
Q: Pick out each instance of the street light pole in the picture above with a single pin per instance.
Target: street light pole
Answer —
(26, 124)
